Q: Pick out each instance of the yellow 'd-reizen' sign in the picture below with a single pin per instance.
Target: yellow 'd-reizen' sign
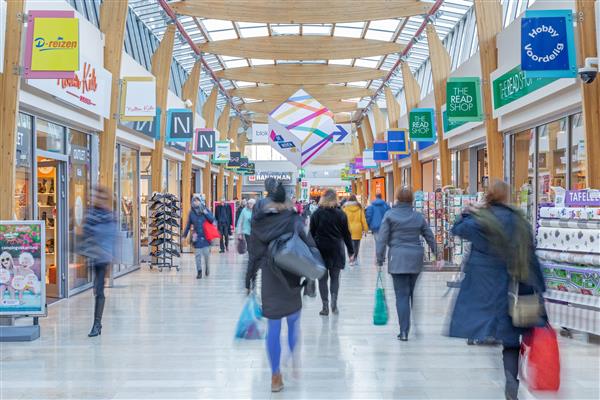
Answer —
(55, 44)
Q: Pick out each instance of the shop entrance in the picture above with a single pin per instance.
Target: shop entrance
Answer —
(51, 208)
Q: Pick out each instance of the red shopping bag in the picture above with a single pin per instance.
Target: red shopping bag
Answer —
(540, 359)
(210, 231)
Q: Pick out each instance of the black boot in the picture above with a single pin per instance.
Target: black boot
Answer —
(325, 310)
(206, 270)
(98, 310)
(199, 274)
(334, 308)
(511, 390)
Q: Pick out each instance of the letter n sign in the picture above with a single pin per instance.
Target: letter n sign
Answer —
(180, 125)
(205, 141)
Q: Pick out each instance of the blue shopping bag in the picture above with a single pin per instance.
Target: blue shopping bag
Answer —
(251, 324)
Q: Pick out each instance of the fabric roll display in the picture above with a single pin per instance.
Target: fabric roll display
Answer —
(565, 223)
(566, 278)
(571, 258)
(569, 239)
(579, 213)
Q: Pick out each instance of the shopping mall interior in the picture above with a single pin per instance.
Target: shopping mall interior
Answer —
(181, 176)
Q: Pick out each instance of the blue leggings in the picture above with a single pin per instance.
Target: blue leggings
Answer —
(274, 338)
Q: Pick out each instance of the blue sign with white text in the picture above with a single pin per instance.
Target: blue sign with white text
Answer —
(397, 141)
(548, 44)
(380, 151)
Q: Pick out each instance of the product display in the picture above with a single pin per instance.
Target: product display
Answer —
(164, 235)
(569, 239)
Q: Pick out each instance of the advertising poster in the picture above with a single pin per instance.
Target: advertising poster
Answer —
(222, 150)
(463, 100)
(138, 99)
(421, 125)
(22, 268)
(378, 188)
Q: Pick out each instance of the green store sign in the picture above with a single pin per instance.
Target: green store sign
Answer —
(463, 100)
(421, 125)
(513, 85)
(451, 125)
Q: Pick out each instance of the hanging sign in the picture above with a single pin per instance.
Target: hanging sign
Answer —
(88, 88)
(285, 142)
(397, 142)
(222, 148)
(358, 163)
(367, 159)
(260, 133)
(22, 268)
(234, 159)
(548, 44)
(463, 99)
(422, 145)
(380, 152)
(421, 125)
(148, 128)
(450, 125)
(51, 45)
(582, 198)
(138, 99)
(205, 141)
(180, 125)
(251, 168)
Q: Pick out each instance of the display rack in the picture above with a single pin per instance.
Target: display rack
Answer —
(165, 230)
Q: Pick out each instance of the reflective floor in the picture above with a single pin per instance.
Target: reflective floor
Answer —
(169, 336)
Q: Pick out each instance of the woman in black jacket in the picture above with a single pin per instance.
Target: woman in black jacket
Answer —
(280, 290)
(196, 218)
(329, 228)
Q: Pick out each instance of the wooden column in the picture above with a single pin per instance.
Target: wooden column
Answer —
(367, 133)
(232, 136)
(440, 71)
(189, 91)
(586, 47)
(412, 94)
(379, 130)
(10, 83)
(489, 24)
(113, 15)
(222, 127)
(239, 187)
(393, 109)
(208, 113)
(161, 69)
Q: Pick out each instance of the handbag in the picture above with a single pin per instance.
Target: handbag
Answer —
(210, 231)
(310, 289)
(242, 246)
(540, 359)
(380, 312)
(289, 253)
(526, 310)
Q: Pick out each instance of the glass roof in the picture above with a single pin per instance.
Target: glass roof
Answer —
(399, 30)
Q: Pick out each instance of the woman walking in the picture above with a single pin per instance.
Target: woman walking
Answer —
(243, 230)
(401, 231)
(196, 218)
(502, 251)
(357, 223)
(329, 228)
(280, 290)
(98, 245)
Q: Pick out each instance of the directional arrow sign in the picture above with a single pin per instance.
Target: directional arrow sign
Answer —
(342, 134)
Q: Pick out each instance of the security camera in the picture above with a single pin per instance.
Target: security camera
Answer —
(589, 71)
(188, 103)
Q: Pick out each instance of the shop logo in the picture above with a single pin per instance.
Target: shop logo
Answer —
(59, 44)
(84, 81)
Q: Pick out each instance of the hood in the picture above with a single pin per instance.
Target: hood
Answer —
(272, 219)
(379, 203)
(352, 207)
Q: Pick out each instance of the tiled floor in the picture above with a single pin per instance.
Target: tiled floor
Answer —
(169, 336)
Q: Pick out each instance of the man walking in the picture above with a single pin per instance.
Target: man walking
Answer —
(375, 213)
(224, 218)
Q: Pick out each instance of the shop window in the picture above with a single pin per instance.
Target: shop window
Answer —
(552, 158)
(578, 154)
(23, 171)
(50, 137)
(522, 170)
(463, 170)
(482, 170)
(128, 207)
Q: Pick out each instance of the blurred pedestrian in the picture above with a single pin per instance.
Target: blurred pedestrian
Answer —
(357, 223)
(243, 230)
(224, 219)
(401, 230)
(239, 208)
(375, 213)
(502, 251)
(197, 216)
(329, 228)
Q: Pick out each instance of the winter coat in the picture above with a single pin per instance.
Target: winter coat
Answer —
(99, 236)
(238, 211)
(375, 213)
(223, 215)
(481, 308)
(196, 218)
(244, 221)
(357, 223)
(269, 222)
(401, 231)
(329, 229)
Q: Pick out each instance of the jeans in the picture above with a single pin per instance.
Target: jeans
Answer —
(334, 274)
(99, 271)
(202, 253)
(356, 247)
(510, 359)
(274, 338)
(224, 242)
(252, 268)
(404, 287)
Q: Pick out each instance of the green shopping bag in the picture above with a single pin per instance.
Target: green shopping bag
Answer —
(380, 313)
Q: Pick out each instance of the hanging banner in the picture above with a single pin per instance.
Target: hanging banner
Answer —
(234, 159)
(285, 142)
(180, 125)
(397, 142)
(421, 125)
(358, 163)
(148, 128)
(205, 141)
(548, 44)
(367, 159)
(51, 45)
(463, 99)
(138, 99)
(260, 133)
(380, 152)
(222, 148)
(22, 268)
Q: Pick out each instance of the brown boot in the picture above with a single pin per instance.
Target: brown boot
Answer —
(276, 383)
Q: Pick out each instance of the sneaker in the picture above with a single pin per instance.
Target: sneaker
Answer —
(276, 383)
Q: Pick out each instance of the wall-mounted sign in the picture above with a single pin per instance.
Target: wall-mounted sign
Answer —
(513, 85)
(463, 99)
(261, 176)
(148, 128)
(260, 133)
(222, 149)
(548, 44)
(51, 45)
(234, 159)
(397, 142)
(138, 99)
(205, 141)
(380, 151)
(367, 159)
(88, 88)
(180, 125)
(450, 125)
(421, 125)
(582, 198)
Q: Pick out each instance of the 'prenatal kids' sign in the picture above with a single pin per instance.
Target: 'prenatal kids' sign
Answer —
(421, 125)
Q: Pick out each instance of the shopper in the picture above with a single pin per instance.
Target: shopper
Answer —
(243, 230)
(224, 218)
(280, 291)
(240, 207)
(98, 245)
(197, 216)
(401, 231)
(356, 222)
(502, 249)
(329, 228)
(375, 213)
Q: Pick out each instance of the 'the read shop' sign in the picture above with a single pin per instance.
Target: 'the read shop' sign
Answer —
(514, 85)
(421, 125)
(463, 100)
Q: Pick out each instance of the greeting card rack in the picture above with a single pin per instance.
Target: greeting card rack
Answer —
(165, 217)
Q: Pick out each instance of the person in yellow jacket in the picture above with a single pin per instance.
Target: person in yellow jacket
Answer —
(357, 223)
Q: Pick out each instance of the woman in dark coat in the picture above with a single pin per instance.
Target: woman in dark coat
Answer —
(280, 291)
(198, 215)
(329, 228)
(401, 230)
(502, 249)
